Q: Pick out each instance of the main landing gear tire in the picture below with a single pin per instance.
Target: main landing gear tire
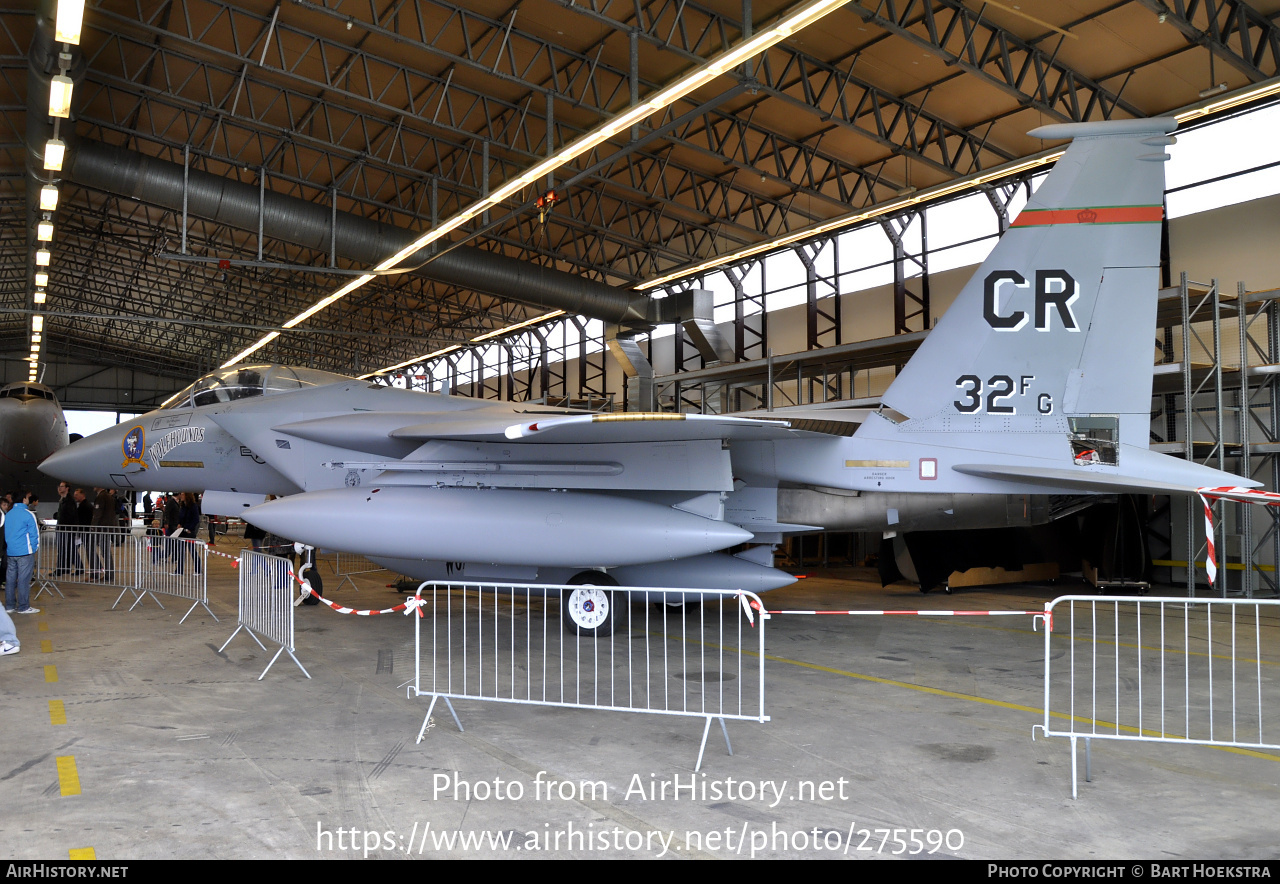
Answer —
(588, 609)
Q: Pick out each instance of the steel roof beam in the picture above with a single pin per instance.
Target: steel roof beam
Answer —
(1232, 30)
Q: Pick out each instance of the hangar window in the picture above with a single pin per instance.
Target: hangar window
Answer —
(1095, 439)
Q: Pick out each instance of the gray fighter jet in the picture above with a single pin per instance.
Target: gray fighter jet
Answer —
(32, 427)
(1033, 383)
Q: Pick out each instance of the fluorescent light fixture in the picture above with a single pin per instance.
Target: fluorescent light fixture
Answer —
(1243, 96)
(55, 151)
(497, 333)
(414, 360)
(68, 22)
(39, 296)
(60, 96)
(804, 14)
(42, 279)
(42, 258)
(35, 339)
(48, 198)
(44, 231)
(886, 208)
(517, 326)
(248, 350)
(37, 323)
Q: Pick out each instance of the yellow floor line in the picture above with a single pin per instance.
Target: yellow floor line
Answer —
(43, 627)
(57, 712)
(82, 853)
(966, 623)
(51, 673)
(68, 776)
(954, 695)
(46, 646)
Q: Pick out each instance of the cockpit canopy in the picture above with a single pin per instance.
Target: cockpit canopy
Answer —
(245, 381)
(27, 391)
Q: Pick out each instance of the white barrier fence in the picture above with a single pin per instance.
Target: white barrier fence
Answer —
(265, 608)
(345, 565)
(126, 559)
(1168, 670)
(700, 655)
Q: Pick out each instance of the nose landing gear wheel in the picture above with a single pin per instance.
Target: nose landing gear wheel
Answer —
(588, 609)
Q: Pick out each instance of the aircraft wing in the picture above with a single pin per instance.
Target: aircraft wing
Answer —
(646, 427)
(374, 431)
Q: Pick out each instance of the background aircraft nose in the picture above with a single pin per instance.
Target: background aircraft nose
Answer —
(92, 460)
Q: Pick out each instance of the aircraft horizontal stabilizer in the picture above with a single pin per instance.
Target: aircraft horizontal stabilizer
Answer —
(1169, 476)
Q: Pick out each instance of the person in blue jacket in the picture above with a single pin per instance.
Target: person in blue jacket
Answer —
(22, 537)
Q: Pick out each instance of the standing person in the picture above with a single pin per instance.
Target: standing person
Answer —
(9, 643)
(105, 520)
(147, 507)
(84, 519)
(213, 537)
(22, 537)
(172, 527)
(67, 520)
(4, 555)
(155, 538)
(254, 535)
(189, 519)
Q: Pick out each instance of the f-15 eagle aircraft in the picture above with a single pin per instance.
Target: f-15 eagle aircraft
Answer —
(1037, 381)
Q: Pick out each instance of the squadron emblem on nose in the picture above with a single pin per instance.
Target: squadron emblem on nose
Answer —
(133, 444)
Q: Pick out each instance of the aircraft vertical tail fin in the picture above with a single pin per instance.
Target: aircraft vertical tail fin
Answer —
(1059, 320)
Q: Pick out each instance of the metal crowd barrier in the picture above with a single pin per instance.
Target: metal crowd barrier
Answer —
(158, 574)
(506, 643)
(266, 604)
(346, 564)
(1165, 670)
(47, 562)
(125, 559)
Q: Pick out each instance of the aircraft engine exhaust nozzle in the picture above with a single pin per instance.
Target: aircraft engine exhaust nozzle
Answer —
(497, 526)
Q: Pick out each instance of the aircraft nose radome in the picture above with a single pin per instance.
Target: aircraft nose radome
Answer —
(89, 461)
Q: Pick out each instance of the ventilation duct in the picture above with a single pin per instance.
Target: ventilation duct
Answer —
(127, 173)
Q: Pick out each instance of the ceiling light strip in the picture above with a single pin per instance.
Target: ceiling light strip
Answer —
(894, 205)
(479, 339)
(803, 15)
(1244, 96)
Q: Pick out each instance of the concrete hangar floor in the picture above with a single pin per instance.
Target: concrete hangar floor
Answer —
(129, 735)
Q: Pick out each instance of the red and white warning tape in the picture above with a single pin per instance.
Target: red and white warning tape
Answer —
(919, 613)
(410, 604)
(1242, 495)
(747, 605)
(235, 560)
